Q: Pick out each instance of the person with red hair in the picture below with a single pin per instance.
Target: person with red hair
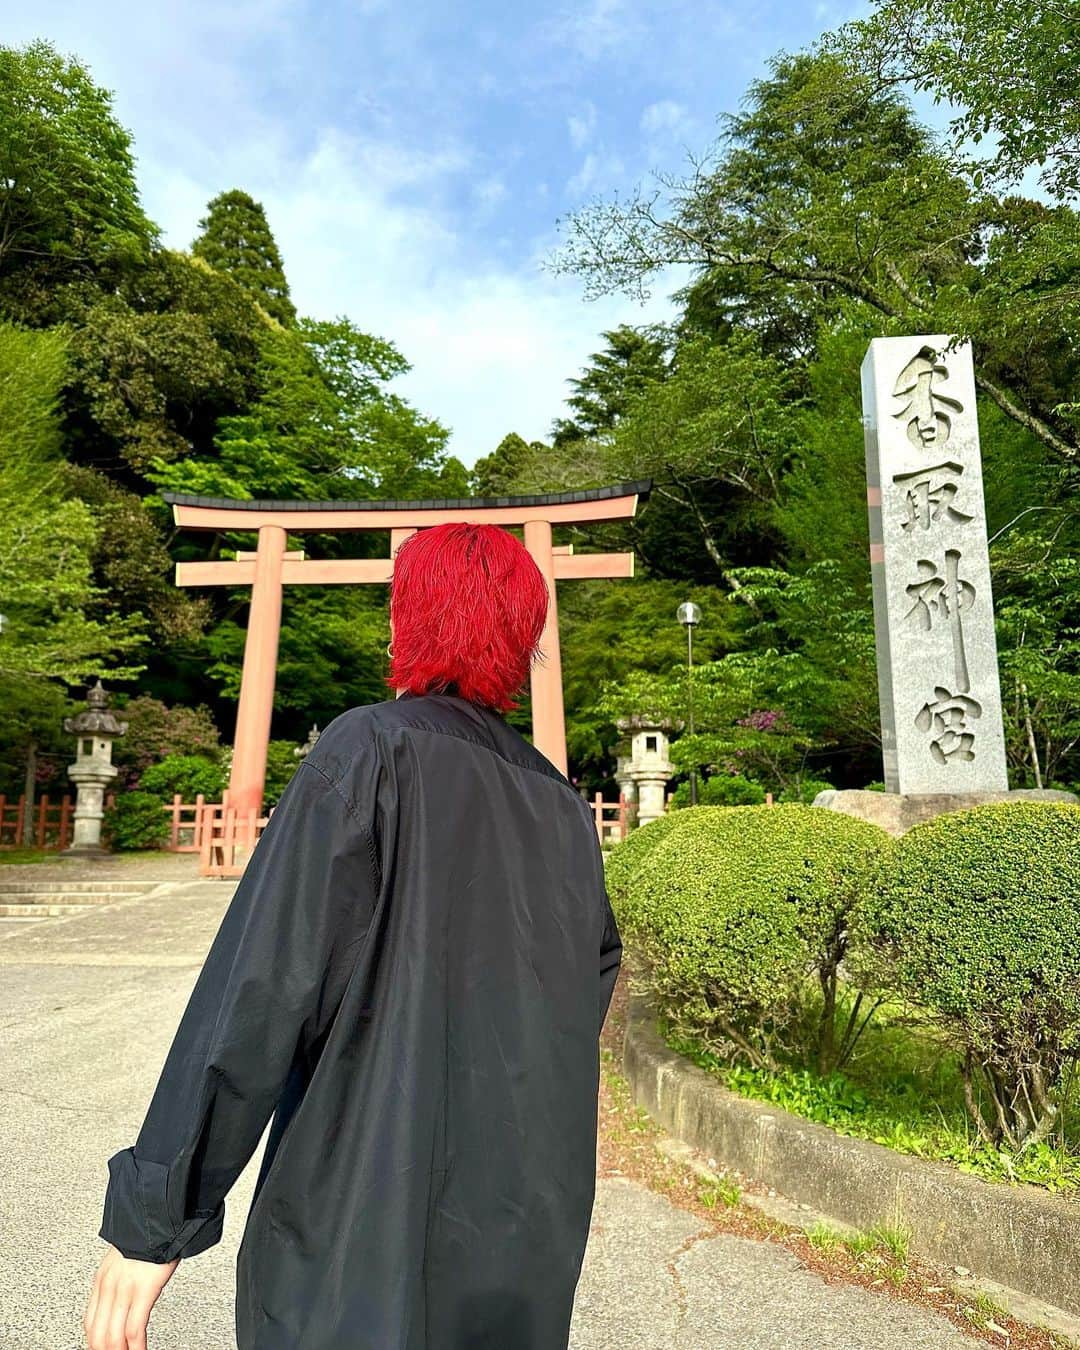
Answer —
(408, 985)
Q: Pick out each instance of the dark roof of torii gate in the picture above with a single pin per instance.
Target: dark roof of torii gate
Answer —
(639, 488)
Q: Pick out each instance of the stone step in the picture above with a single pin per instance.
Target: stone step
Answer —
(85, 899)
(62, 886)
(25, 910)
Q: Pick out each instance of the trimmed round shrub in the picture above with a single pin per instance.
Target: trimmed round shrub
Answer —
(625, 858)
(741, 915)
(187, 774)
(722, 789)
(978, 922)
(136, 820)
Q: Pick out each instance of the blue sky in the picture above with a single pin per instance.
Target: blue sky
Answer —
(414, 157)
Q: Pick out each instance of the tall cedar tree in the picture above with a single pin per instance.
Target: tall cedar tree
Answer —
(632, 359)
(236, 238)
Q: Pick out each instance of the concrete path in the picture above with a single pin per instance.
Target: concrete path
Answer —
(88, 1005)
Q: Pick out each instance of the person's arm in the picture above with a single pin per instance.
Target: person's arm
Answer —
(610, 959)
(271, 983)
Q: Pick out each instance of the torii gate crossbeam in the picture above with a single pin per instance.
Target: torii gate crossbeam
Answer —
(272, 567)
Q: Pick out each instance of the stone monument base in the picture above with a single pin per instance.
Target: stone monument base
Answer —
(897, 812)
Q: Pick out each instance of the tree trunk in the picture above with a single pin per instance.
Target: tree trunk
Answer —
(29, 785)
(1031, 738)
(827, 1036)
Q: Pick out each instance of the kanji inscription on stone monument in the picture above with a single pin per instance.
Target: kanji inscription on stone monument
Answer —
(937, 664)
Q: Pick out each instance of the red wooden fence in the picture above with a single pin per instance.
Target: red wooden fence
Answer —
(225, 838)
(50, 822)
(610, 818)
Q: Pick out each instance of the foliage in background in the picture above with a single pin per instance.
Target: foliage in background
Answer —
(1007, 67)
(188, 775)
(282, 762)
(720, 789)
(157, 732)
(235, 238)
(70, 207)
(135, 821)
(46, 539)
(824, 216)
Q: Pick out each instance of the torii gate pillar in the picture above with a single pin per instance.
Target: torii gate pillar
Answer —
(271, 568)
(545, 680)
(255, 710)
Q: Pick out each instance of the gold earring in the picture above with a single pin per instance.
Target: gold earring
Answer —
(389, 649)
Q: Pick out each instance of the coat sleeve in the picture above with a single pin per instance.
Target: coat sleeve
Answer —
(610, 959)
(271, 983)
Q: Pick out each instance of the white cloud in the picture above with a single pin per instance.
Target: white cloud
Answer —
(371, 223)
(491, 345)
(598, 171)
(665, 118)
(594, 28)
(582, 126)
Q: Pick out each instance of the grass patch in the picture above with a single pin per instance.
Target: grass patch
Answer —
(23, 856)
(721, 1191)
(903, 1089)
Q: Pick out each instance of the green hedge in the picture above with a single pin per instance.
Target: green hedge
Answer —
(741, 914)
(187, 774)
(721, 789)
(977, 921)
(136, 820)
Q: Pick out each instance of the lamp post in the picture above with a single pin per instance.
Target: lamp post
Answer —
(690, 614)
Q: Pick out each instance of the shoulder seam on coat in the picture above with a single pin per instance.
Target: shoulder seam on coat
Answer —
(369, 840)
(551, 773)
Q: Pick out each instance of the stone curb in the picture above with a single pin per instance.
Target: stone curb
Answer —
(1019, 1236)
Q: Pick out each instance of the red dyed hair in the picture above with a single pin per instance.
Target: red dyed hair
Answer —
(468, 605)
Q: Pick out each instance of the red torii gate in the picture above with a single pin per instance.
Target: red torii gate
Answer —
(268, 570)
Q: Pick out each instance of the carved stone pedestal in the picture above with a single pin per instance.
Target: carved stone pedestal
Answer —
(898, 812)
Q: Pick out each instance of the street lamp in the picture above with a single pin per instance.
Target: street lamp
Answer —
(690, 614)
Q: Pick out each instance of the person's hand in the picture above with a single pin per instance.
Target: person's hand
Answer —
(120, 1300)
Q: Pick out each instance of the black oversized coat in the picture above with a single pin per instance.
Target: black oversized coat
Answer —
(411, 978)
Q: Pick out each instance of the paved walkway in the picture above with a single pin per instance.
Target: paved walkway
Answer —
(88, 1005)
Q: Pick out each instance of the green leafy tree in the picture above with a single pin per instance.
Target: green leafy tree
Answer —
(188, 775)
(632, 360)
(69, 207)
(611, 628)
(157, 731)
(1008, 69)
(158, 362)
(826, 190)
(236, 238)
(325, 426)
(497, 474)
(714, 437)
(46, 539)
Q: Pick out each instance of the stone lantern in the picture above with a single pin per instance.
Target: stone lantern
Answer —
(648, 766)
(627, 786)
(95, 729)
(312, 741)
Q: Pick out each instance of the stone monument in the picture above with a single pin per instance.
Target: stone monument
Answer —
(942, 735)
(941, 728)
(648, 766)
(95, 729)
